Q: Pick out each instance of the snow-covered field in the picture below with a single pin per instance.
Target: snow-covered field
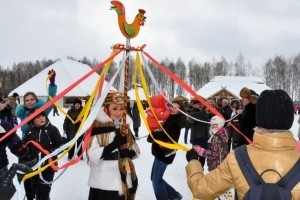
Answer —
(72, 185)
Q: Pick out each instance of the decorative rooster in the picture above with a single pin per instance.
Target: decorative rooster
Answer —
(128, 30)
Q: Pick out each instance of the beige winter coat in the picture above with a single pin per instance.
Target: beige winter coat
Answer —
(270, 150)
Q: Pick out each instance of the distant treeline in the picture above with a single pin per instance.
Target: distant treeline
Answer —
(279, 72)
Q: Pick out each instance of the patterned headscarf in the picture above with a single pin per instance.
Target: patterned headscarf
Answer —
(114, 97)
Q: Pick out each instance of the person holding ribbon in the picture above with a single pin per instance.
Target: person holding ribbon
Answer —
(110, 153)
(31, 102)
(173, 125)
(48, 137)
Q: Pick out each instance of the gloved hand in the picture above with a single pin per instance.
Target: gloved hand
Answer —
(126, 153)
(191, 155)
(52, 75)
(22, 152)
(15, 122)
(199, 150)
(119, 139)
(6, 186)
(116, 143)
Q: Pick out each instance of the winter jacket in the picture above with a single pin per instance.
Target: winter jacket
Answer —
(48, 136)
(269, 150)
(22, 112)
(225, 111)
(104, 174)
(299, 128)
(13, 142)
(172, 126)
(136, 116)
(69, 128)
(217, 149)
(247, 123)
(199, 130)
(13, 104)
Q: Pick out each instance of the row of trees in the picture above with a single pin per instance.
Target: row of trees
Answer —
(279, 72)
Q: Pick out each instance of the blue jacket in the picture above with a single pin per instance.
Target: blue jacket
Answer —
(22, 112)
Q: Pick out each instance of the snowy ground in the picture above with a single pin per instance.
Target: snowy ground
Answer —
(72, 185)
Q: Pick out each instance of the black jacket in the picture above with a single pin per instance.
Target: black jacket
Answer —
(69, 128)
(199, 130)
(13, 142)
(247, 123)
(173, 126)
(47, 136)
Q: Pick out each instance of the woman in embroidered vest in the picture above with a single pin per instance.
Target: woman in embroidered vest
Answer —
(110, 153)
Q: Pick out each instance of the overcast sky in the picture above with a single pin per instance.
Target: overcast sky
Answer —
(201, 29)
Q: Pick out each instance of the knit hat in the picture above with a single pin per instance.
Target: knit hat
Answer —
(274, 110)
(15, 94)
(77, 101)
(40, 114)
(249, 94)
(217, 120)
(225, 101)
(115, 97)
(211, 102)
(195, 101)
(235, 101)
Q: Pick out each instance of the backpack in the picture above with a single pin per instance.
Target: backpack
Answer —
(260, 190)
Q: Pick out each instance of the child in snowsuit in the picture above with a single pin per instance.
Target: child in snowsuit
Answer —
(217, 146)
(161, 111)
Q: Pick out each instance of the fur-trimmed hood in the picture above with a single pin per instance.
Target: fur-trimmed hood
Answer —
(103, 117)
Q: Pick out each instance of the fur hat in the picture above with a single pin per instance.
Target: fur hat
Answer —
(217, 120)
(115, 97)
(274, 110)
(77, 101)
(249, 94)
(235, 101)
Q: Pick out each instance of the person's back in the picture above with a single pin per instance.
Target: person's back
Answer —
(273, 148)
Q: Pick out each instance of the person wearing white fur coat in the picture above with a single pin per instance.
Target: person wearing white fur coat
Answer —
(110, 154)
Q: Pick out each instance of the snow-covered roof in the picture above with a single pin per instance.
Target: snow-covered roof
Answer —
(67, 72)
(131, 94)
(232, 84)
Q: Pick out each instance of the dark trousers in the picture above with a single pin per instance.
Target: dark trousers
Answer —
(136, 132)
(202, 143)
(72, 150)
(96, 194)
(41, 189)
(186, 132)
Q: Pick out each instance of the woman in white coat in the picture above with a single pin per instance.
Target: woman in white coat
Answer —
(110, 154)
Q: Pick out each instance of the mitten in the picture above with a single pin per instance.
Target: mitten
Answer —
(191, 155)
(116, 143)
(52, 75)
(199, 150)
(119, 139)
(126, 153)
(297, 148)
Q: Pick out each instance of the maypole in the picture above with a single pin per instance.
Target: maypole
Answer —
(129, 31)
(126, 72)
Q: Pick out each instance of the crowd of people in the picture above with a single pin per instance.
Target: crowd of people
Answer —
(258, 123)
